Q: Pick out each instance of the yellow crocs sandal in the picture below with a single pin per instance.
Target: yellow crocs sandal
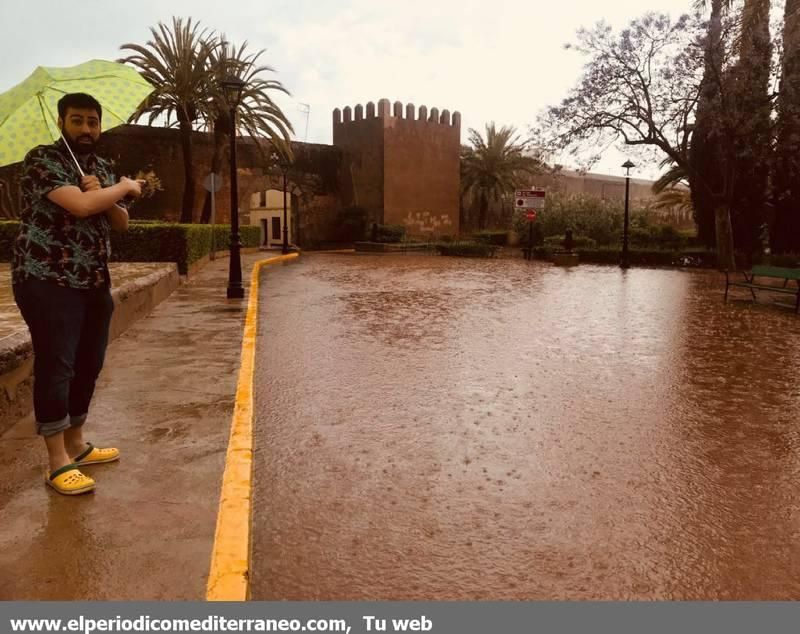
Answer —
(95, 455)
(70, 481)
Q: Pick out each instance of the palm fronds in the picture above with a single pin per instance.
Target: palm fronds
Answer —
(175, 61)
(494, 166)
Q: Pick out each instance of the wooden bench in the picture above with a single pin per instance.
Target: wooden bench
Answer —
(769, 272)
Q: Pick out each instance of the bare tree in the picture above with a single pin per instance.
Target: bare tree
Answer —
(640, 86)
(646, 85)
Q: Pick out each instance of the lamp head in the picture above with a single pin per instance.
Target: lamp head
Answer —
(232, 88)
(628, 165)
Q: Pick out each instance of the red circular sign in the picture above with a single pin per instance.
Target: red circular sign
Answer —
(531, 215)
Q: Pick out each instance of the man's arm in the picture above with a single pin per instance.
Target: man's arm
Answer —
(117, 215)
(84, 204)
(118, 218)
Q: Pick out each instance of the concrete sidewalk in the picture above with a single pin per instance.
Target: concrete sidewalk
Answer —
(165, 398)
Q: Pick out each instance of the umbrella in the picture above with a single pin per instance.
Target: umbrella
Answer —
(28, 112)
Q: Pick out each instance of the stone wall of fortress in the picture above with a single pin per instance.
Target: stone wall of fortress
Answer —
(401, 164)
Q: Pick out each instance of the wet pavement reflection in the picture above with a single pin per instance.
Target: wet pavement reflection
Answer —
(437, 428)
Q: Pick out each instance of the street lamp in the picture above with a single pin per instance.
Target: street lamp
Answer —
(628, 166)
(283, 165)
(232, 87)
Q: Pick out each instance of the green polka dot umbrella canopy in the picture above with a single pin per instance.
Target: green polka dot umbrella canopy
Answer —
(29, 111)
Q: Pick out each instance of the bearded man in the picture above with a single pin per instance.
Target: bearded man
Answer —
(62, 285)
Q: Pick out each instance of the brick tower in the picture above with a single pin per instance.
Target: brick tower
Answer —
(403, 169)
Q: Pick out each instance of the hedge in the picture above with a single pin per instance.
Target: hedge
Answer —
(157, 242)
(641, 257)
(789, 261)
(387, 233)
(496, 238)
(578, 242)
(467, 249)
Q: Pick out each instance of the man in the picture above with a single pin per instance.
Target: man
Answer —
(62, 285)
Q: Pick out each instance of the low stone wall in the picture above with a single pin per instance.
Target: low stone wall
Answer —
(16, 378)
(133, 299)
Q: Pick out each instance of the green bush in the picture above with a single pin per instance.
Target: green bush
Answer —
(525, 237)
(158, 242)
(638, 256)
(557, 242)
(598, 220)
(467, 249)
(661, 236)
(788, 260)
(497, 238)
(689, 257)
(169, 242)
(388, 233)
(667, 234)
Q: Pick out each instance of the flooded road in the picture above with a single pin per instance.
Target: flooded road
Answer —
(454, 429)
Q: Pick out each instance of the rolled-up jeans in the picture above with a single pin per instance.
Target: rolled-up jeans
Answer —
(69, 331)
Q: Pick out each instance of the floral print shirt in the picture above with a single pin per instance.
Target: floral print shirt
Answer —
(52, 244)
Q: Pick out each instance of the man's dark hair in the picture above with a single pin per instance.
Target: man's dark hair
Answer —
(81, 101)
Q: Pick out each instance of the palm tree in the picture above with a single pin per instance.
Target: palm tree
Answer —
(674, 198)
(672, 189)
(257, 115)
(493, 167)
(175, 61)
(675, 175)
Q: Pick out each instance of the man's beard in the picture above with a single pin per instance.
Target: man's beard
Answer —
(79, 144)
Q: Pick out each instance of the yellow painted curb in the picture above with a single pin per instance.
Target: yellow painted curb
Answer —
(229, 575)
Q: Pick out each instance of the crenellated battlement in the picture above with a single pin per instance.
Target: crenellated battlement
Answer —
(387, 110)
(401, 164)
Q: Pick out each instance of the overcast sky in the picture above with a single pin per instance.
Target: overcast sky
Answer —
(500, 60)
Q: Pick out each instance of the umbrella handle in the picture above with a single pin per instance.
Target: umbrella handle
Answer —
(46, 109)
(73, 156)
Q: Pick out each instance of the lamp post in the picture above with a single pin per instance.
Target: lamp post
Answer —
(624, 263)
(232, 86)
(283, 165)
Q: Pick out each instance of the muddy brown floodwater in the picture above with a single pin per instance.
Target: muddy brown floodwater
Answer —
(437, 428)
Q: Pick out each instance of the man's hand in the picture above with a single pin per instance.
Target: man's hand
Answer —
(90, 183)
(134, 187)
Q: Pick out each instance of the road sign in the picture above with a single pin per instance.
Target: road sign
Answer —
(530, 199)
(531, 215)
(213, 182)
